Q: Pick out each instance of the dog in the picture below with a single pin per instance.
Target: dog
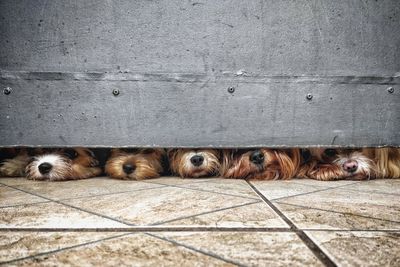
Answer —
(262, 164)
(15, 161)
(387, 161)
(328, 164)
(194, 163)
(63, 164)
(135, 164)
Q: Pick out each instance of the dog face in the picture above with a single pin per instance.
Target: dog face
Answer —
(263, 163)
(63, 164)
(135, 164)
(194, 162)
(333, 164)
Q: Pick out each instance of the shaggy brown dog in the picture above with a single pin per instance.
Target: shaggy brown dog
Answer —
(333, 164)
(194, 162)
(263, 163)
(63, 164)
(135, 164)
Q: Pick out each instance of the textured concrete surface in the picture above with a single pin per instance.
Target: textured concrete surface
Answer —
(199, 222)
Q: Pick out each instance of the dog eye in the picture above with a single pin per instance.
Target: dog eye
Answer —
(71, 153)
(330, 152)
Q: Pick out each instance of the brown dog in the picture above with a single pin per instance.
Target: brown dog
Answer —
(135, 164)
(263, 163)
(194, 162)
(333, 164)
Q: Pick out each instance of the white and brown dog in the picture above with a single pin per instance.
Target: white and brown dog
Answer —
(63, 164)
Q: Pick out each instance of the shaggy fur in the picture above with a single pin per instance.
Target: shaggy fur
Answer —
(135, 164)
(14, 166)
(182, 162)
(272, 164)
(387, 161)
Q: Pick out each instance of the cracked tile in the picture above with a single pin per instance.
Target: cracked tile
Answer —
(51, 215)
(137, 249)
(250, 248)
(359, 248)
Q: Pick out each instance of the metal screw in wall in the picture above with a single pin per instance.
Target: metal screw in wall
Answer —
(309, 96)
(390, 90)
(115, 92)
(231, 89)
(7, 90)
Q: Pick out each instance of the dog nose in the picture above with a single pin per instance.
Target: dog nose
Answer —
(197, 160)
(350, 166)
(128, 168)
(257, 157)
(45, 168)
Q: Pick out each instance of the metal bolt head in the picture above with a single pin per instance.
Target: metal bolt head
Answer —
(7, 90)
(231, 89)
(309, 96)
(115, 92)
(390, 90)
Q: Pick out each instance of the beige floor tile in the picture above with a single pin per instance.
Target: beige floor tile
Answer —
(325, 183)
(350, 210)
(16, 245)
(253, 215)
(384, 186)
(83, 188)
(235, 187)
(51, 215)
(157, 205)
(360, 248)
(10, 197)
(281, 189)
(250, 249)
(134, 249)
(177, 180)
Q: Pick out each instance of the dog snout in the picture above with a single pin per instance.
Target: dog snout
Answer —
(197, 160)
(45, 168)
(257, 157)
(128, 168)
(350, 166)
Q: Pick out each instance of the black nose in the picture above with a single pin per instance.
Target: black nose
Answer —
(45, 168)
(197, 160)
(128, 168)
(257, 157)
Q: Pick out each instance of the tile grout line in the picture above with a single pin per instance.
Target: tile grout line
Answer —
(209, 254)
(206, 212)
(311, 192)
(209, 191)
(315, 249)
(333, 211)
(63, 249)
(80, 197)
(351, 189)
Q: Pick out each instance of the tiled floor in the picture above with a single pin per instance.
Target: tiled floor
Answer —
(199, 222)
